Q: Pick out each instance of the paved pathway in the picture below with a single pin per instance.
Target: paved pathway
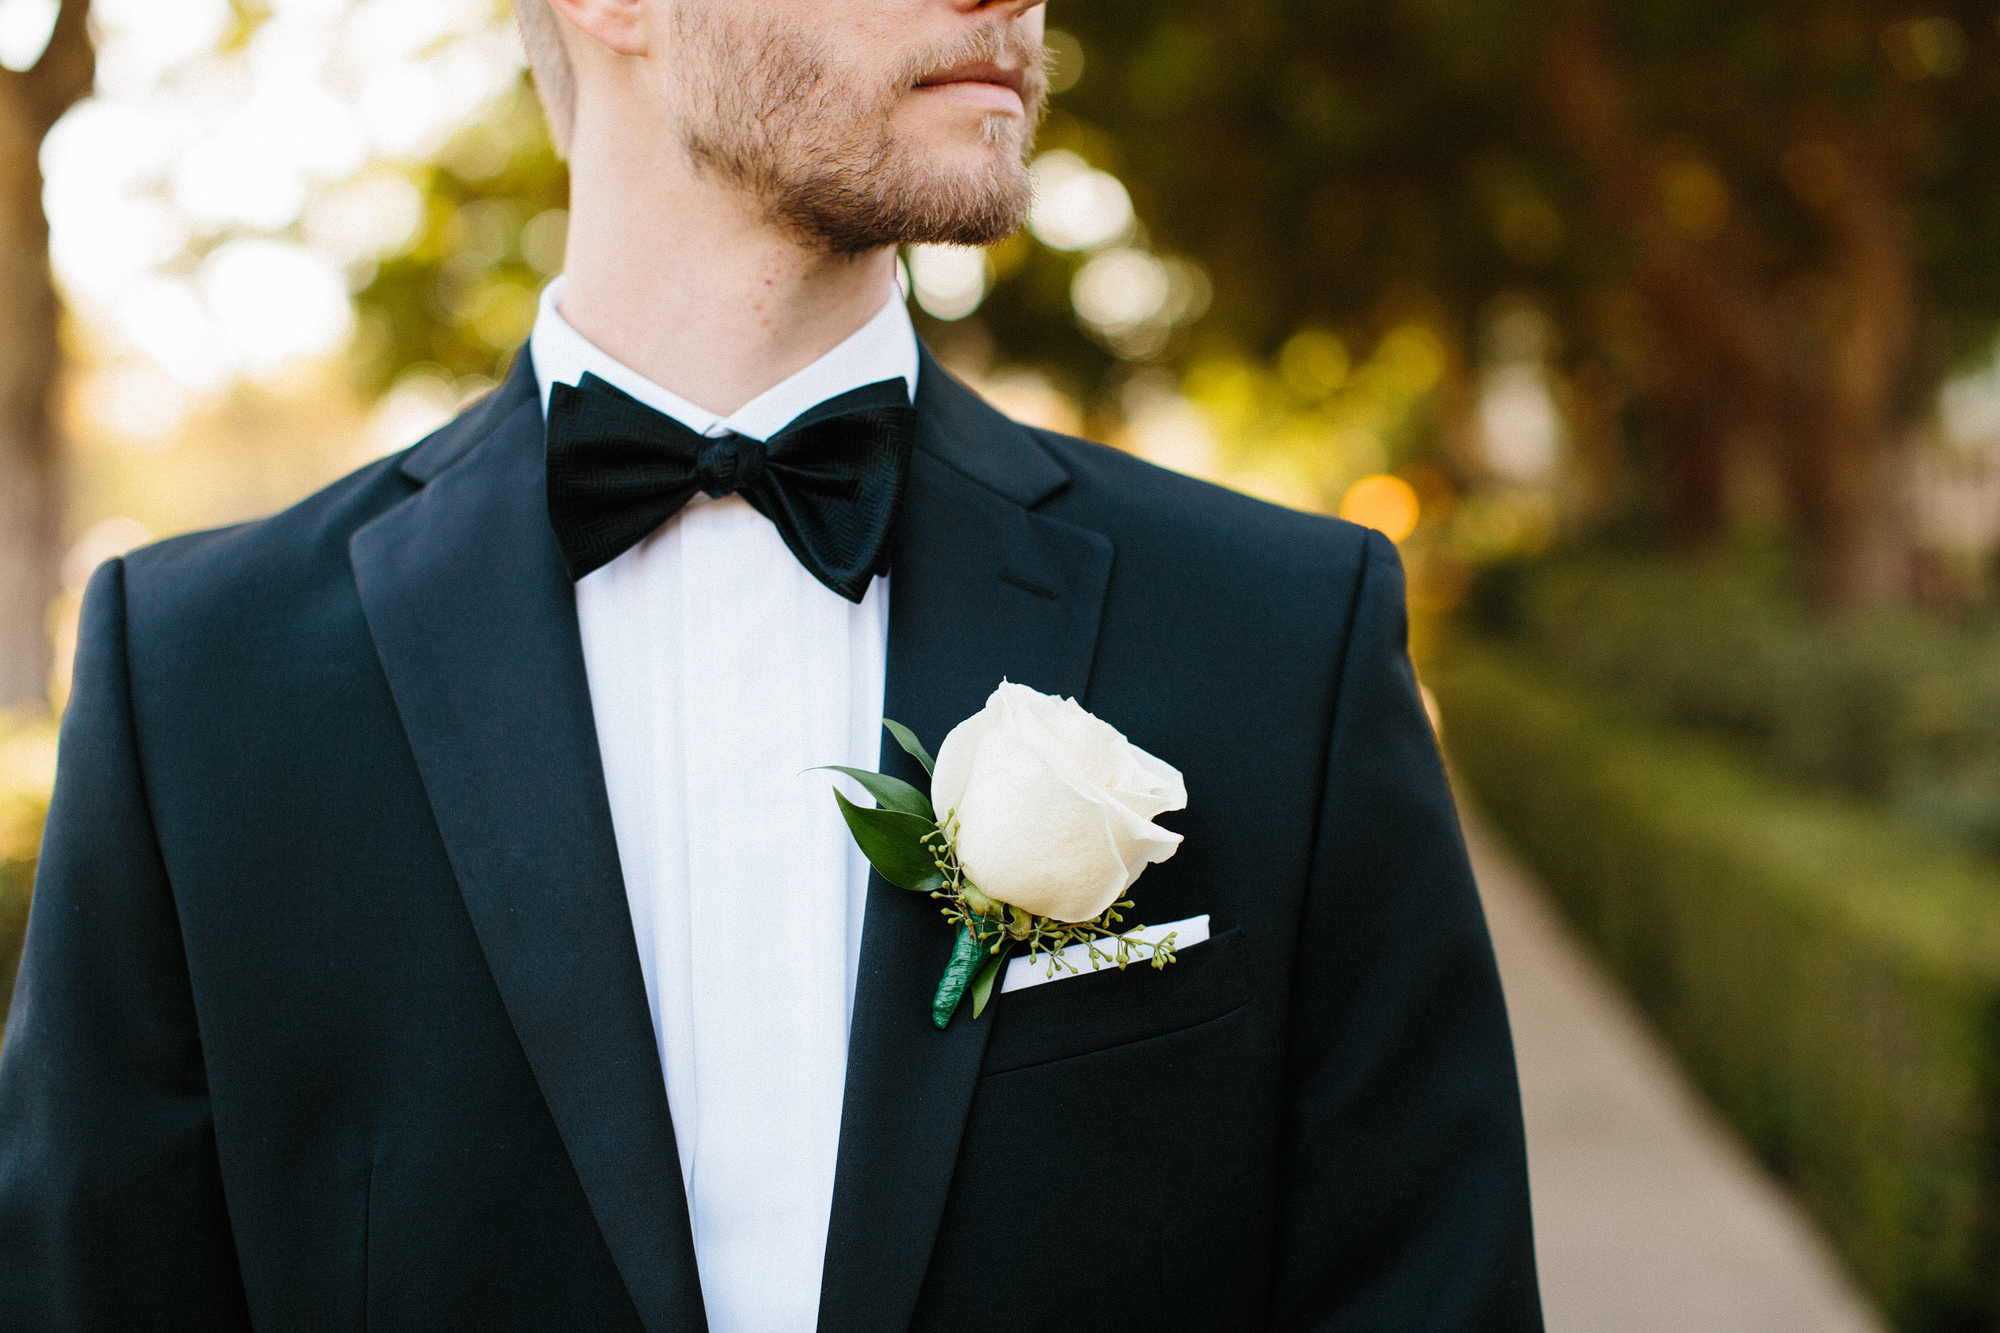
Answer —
(1649, 1218)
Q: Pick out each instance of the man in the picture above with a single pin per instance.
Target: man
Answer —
(435, 929)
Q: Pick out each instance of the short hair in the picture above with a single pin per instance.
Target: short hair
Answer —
(548, 58)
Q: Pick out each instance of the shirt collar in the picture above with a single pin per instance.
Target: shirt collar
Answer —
(883, 348)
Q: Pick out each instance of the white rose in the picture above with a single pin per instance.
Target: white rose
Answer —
(1055, 808)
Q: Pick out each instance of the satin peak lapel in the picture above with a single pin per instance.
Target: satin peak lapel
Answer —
(981, 587)
(474, 620)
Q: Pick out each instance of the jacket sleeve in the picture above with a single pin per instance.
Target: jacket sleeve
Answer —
(111, 1202)
(1406, 1196)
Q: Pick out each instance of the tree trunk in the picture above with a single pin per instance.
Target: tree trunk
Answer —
(1711, 341)
(31, 471)
(1754, 357)
(1688, 444)
(1842, 486)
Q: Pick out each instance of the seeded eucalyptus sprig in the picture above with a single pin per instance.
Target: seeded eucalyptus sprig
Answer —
(990, 930)
(904, 840)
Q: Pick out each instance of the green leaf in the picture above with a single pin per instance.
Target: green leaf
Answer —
(893, 843)
(982, 985)
(911, 745)
(890, 793)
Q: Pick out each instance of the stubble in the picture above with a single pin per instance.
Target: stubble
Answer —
(772, 115)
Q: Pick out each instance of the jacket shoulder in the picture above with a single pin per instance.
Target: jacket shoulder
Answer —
(1155, 510)
(312, 534)
(285, 550)
(235, 609)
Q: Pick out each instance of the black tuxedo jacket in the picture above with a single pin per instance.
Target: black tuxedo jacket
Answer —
(331, 1015)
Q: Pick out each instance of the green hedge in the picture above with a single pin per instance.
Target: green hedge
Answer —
(1897, 707)
(1831, 979)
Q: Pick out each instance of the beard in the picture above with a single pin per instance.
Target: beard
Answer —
(773, 115)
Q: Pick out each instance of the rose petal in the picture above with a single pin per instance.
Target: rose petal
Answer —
(1027, 838)
(1155, 792)
(1054, 806)
(1155, 846)
(1143, 784)
(953, 765)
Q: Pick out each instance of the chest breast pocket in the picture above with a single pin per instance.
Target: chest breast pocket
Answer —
(1097, 1011)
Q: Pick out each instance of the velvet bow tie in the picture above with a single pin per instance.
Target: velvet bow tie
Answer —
(831, 481)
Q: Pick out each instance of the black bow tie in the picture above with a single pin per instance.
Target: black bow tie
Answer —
(831, 481)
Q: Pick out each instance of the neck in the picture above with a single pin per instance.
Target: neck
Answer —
(679, 277)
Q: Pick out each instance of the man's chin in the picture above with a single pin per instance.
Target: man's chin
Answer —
(992, 172)
(949, 184)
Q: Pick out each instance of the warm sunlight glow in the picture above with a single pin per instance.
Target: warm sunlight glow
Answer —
(234, 152)
(1385, 503)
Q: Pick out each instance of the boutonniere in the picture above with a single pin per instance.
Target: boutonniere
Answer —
(1047, 819)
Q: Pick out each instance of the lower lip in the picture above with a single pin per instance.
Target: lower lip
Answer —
(984, 96)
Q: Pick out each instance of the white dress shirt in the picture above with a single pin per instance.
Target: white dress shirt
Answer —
(720, 671)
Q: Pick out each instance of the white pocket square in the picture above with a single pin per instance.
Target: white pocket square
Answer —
(1030, 971)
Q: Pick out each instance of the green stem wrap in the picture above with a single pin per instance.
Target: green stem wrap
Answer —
(966, 956)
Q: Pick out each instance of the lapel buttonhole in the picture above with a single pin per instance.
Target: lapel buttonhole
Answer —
(1028, 585)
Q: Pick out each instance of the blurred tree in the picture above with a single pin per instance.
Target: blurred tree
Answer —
(1763, 233)
(31, 100)
(1767, 174)
(462, 298)
(1768, 228)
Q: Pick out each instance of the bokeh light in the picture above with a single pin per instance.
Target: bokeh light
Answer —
(1385, 503)
(1028, 397)
(272, 301)
(367, 217)
(423, 398)
(949, 280)
(1077, 207)
(1313, 363)
(137, 401)
(544, 239)
(211, 205)
(1120, 290)
(1133, 300)
(1164, 426)
(25, 28)
(1066, 60)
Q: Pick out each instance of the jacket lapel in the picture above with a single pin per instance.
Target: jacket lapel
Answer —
(981, 587)
(475, 623)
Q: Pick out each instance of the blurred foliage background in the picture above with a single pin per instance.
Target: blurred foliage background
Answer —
(1660, 334)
